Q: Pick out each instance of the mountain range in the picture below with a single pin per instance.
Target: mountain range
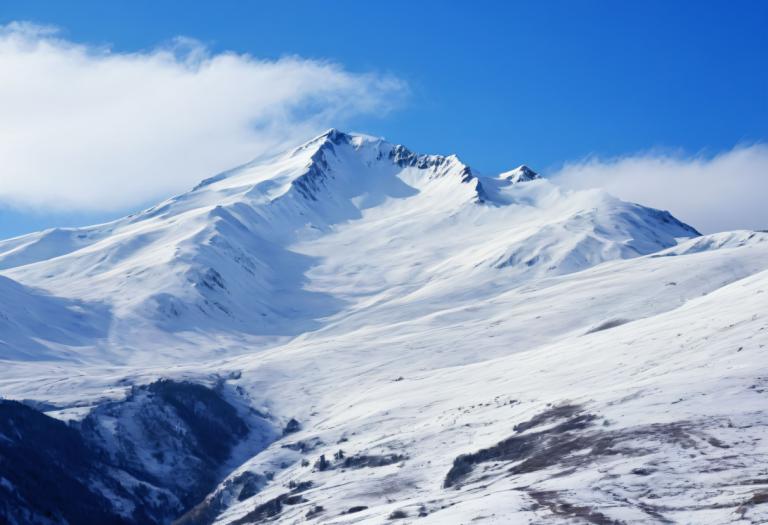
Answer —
(351, 332)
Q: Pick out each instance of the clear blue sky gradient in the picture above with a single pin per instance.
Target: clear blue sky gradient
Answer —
(497, 82)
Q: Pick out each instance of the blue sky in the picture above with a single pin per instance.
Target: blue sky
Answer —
(500, 83)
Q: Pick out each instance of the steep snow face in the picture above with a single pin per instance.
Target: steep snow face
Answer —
(286, 245)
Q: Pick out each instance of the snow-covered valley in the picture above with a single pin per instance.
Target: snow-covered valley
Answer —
(349, 332)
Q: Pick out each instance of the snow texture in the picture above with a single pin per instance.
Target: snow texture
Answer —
(434, 343)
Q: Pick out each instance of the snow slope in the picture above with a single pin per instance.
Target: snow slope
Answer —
(26, 330)
(457, 348)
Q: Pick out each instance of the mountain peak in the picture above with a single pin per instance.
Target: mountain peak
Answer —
(336, 136)
(330, 136)
(520, 174)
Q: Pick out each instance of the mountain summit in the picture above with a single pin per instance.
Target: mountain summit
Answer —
(520, 174)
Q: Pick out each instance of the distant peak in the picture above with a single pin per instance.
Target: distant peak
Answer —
(520, 174)
(336, 136)
(332, 135)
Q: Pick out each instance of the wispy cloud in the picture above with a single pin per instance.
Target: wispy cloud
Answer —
(84, 127)
(712, 193)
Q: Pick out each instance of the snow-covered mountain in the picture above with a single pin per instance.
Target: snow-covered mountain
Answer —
(374, 335)
(254, 254)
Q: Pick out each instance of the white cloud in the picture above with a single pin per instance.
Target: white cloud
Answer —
(724, 192)
(83, 127)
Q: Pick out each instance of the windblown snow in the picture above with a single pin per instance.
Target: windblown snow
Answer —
(380, 336)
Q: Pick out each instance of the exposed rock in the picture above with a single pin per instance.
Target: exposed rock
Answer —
(156, 453)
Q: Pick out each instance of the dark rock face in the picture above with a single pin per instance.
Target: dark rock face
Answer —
(240, 487)
(291, 427)
(270, 509)
(536, 449)
(365, 460)
(341, 461)
(49, 475)
(174, 435)
(144, 459)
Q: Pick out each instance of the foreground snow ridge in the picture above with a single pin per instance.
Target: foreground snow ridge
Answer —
(351, 332)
